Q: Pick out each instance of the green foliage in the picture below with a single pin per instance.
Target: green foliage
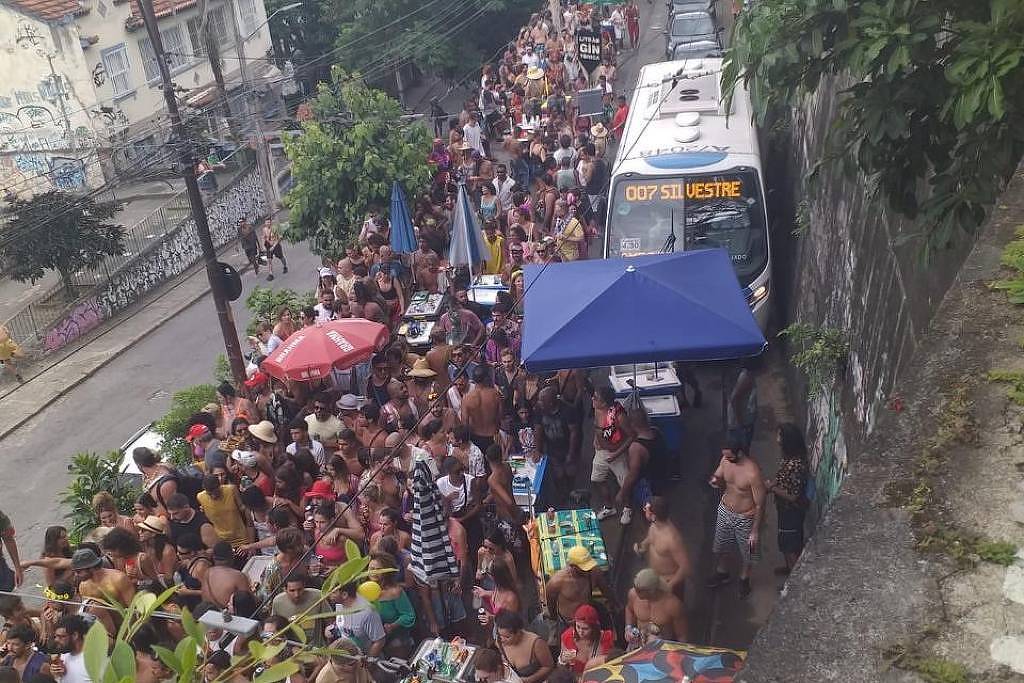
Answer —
(117, 664)
(58, 231)
(222, 370)
(265, 302)
(997, 552)
(1014, 378)
(91, 474)
(346, 160)
(301, 34)
(174, 425)
(1013, 260)
(938, 91)
(444, 39)
(819, 351)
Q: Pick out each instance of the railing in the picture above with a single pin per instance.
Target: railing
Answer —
(29, 326)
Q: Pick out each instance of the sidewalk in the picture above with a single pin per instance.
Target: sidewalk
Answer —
(54, 376)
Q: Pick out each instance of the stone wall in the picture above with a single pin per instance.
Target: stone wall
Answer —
(847, 272)
(161, 261)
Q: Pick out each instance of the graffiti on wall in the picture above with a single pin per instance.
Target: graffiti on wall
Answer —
(828, 450)
(180, 249)
(67, 173)
(82, 318)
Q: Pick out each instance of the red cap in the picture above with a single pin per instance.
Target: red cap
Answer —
(587, 613)
(196, 431)
(258, 379)
(320, 489)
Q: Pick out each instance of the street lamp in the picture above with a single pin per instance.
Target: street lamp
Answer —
(286, 8)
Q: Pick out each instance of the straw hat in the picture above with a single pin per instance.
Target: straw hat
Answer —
(154, 524)
(421, 369)
(598, 130)
(534, 73)
(264, 431)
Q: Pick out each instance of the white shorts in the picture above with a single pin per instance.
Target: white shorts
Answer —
(603, 468)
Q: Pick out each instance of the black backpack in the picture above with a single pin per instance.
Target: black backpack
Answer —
(190, 483)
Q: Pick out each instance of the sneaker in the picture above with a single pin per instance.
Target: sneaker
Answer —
(22, 379)
(718, 579)
(605, 512)
(744, 588)
(627, 516)
(270, 277)
(286, 270)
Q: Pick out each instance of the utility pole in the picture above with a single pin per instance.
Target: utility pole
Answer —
(58, 89)
(227, 323)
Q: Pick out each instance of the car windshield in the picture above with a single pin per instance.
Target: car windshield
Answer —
(722, 210)
(695, 24)
(700, 48)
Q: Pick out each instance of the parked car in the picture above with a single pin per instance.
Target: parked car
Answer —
(677, 6)
(697, 49)
(689, 27)
(145, 436)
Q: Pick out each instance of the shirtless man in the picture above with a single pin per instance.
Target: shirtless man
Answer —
(652, 612)
(368, 428)
(481, 408)
(438, 357)
(573, 586)
(103, 585)
(739, 513)
(499, 487)
(222, 580)
(399, 406)
(664, 547)
(272, 247)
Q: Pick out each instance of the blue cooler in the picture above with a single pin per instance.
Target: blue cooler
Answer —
(666, 416)
(650, 383)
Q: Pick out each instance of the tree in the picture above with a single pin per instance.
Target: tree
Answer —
(346, 160)
(445, 39)
(302, 35)
(59, 231)
(933, 116)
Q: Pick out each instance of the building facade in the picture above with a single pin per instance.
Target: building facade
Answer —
(49, 132)
(126, 75)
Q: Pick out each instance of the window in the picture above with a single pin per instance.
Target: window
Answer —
(216, 24)
(178, 52)
(115, 61)
(58, 44)
(247, 8)
(198, 44)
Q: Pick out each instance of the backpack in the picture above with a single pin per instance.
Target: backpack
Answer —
(189, 480)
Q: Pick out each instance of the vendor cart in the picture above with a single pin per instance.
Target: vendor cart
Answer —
(443, 661)
(422, 313)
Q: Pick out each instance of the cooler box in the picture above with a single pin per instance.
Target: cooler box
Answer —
(664, 382)
(666, 416)
(484, 290)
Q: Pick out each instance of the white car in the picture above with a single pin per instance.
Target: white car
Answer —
(145, 436)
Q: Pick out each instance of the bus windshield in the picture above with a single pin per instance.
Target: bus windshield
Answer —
(721, 209)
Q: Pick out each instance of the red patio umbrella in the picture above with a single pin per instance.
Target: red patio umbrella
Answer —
(312, 352)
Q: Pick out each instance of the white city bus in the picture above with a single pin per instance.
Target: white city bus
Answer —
(688, 175)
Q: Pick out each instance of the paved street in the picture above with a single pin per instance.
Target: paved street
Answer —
(135, 388)
(131, 391)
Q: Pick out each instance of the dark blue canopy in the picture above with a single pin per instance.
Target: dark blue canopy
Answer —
(403, 239)
(681, 306)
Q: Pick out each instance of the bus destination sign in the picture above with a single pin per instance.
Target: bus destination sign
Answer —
(678, 190)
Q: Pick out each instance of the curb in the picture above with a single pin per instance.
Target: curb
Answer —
(130, 342)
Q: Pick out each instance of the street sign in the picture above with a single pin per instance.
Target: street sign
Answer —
(588, 48)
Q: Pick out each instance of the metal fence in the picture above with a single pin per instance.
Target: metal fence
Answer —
(29, 325)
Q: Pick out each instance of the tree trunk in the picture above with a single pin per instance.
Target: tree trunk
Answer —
(68, 283)
(213, 53)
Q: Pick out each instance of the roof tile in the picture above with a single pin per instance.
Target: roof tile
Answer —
(162, 8)
(50, 10)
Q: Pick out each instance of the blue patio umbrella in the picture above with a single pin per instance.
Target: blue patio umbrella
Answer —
(684, 306)
(468, 247)
(403, 239)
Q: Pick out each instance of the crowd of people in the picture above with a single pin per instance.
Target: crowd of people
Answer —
(300, 471)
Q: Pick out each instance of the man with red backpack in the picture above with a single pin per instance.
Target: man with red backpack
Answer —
(611, 440)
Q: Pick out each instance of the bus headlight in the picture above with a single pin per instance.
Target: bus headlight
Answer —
(758, 295)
